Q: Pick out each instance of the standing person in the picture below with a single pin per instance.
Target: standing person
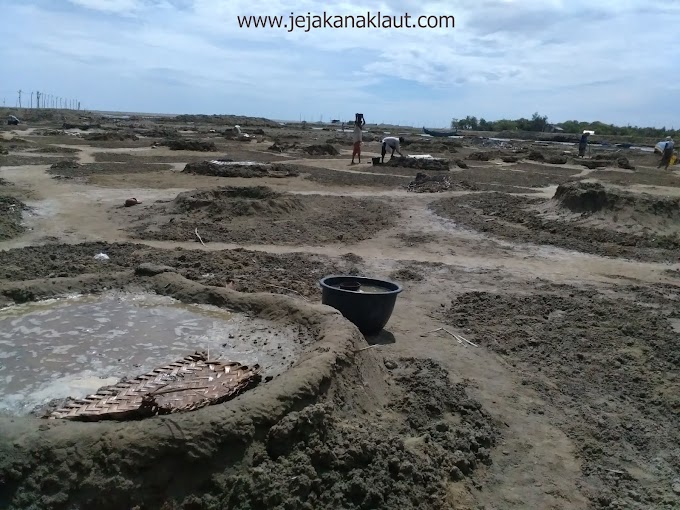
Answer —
(583, 145)
(667, 153)
(394, 144)
(359, 124)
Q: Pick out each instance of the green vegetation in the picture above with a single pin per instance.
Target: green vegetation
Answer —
(540, 123)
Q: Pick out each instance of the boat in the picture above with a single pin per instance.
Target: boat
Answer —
(439, 133)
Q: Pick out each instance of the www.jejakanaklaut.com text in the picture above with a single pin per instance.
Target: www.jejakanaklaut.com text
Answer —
(309, 21)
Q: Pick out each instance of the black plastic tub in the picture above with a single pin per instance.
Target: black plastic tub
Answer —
(376, 161)
(369, 311)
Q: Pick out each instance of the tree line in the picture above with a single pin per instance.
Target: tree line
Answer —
(539, 123)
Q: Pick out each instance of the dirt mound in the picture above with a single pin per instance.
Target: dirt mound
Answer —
(592, 164)
(524, 220)
(556, 160)
(592, 197)
(49, 132)
(424, 183)
(321, 150)
(437, 165)
(535, 156)
(184, 144)
(247, 169)
(605, 362)
(111, 136)
(260, 215)
(283, 146)
(65, 165)
(10, 217)
(82, 127)
(3, 151)
(479, 156)
(429, 184)
(317, 459)
(462, 164)
(509, 159)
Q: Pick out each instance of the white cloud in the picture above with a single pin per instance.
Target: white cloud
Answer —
(567, 58)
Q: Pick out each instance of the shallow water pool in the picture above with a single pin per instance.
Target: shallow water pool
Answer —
(71, 347)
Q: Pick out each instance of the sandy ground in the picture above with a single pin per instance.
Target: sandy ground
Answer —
(574, 317)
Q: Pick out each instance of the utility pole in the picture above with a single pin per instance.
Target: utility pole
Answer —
(37, 98)
(78, 105)
(19, 98)
(31, 99)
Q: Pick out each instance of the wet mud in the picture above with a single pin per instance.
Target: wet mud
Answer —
(602, 362)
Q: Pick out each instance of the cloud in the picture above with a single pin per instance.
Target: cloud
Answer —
(565, 58)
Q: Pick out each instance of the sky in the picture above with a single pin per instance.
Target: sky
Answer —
(617, 61)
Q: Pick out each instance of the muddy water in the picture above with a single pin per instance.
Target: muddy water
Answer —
(72, 347)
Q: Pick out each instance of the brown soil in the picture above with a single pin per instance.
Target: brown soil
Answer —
(261, 215)
(600, 362)
(518, 219)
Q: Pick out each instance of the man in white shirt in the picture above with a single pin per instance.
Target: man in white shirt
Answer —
(357, 137)
(393, 143)
(667, 153)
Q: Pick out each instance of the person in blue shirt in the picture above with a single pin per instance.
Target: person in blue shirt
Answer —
(667, 153)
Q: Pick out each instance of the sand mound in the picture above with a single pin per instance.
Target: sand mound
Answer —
(462, 164)
(246, 169)
(228, 202)
(260, 215)
(321, 150)
(593, 197)
(183, 144)
(439, 165)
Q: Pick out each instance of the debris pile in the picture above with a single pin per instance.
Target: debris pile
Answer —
(556, 160)
(66, 164)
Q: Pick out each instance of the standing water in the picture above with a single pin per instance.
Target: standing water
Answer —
(72, 347)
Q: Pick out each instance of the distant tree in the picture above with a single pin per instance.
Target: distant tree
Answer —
(485, 125)
(468, 122)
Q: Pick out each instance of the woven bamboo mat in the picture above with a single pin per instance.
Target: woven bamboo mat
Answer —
(185, 385)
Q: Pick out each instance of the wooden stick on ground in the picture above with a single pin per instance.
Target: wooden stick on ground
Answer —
(199, 237)
(366, 348)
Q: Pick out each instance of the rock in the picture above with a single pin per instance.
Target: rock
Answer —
(149, 269)
(390, 365)
(461, 164)
(131, 201)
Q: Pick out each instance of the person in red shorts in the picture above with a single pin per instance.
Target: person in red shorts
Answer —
(359, 124)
